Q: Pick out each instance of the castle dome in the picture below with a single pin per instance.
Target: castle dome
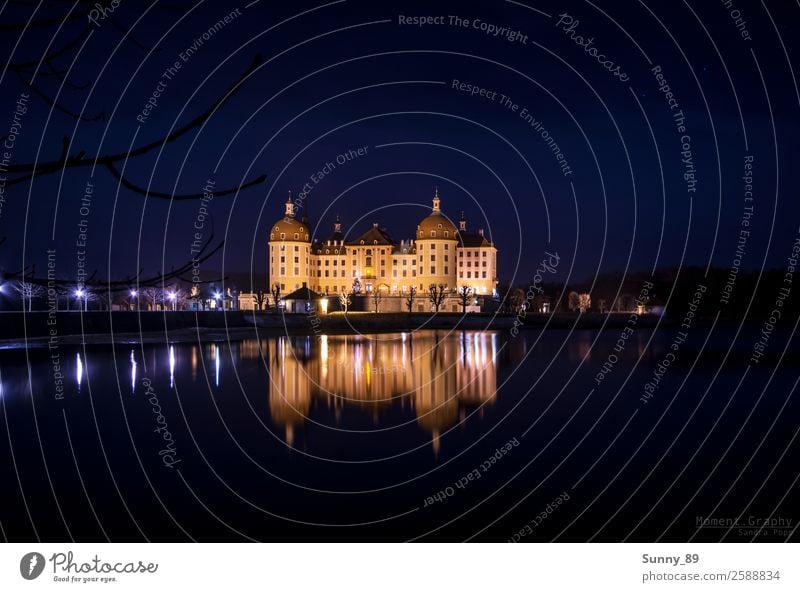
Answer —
(436, 225)
(290, 228)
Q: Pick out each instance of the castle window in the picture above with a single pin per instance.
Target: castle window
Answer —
(283, 235)
(433, 270)
(484, 274)
(368, 252)
(433, 258)
(283, 271)
(439, 226)
(369, 261)
(306, 236)
(362, 242)
(297, 259)
(296, 236)
(469, 274)
(433, 234)
(446, 270)
(446, 234)
(327, 251)
(375, 242)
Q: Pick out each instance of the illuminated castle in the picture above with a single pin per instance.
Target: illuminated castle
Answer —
(440, 254)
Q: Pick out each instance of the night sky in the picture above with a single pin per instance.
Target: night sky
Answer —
(346, 75)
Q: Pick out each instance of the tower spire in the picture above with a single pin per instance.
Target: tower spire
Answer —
(462, 224)
(436, 201)
(289, 206)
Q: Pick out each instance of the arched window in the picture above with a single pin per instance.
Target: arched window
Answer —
(433, 234)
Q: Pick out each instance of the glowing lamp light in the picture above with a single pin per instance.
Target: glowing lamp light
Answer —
(134, 293)
(324, 305)
(172, 296)
(217, 295)
(79, 293)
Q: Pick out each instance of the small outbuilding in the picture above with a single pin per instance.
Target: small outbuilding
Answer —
(304, 300)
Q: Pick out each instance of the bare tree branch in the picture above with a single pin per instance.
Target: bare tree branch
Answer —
(178, 197)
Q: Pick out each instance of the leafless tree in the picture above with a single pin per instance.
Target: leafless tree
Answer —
(28, 291)
(573, 301)
(412, 292)
(437, 294)
(584, 302)
(516, 300)
(70, 30)
(464, 295)
(260, 299)
(377, 296)
(276, 294)
(344, 301)
(155, 295)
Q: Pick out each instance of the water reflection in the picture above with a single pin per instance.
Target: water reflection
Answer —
(78, 370)
(133, 372)
(171, 366)
(437, 374)
(216, 365)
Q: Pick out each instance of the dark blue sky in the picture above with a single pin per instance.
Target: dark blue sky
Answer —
(348, 75)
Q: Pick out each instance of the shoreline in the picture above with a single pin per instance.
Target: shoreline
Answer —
(38, 329)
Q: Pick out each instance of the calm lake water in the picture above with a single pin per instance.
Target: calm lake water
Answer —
(432, 435)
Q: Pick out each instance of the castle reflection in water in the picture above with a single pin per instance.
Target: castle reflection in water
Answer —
(437, 374)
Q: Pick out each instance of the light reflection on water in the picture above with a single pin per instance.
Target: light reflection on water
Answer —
(436, 375)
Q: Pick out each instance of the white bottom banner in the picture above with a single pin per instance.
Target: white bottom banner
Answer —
(399, 567)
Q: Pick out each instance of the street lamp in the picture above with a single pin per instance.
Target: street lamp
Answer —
(133, 294)
(81, 294)
(217, 296)
(173, 298)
